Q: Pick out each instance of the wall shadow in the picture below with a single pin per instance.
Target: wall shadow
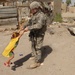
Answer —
(46, 50)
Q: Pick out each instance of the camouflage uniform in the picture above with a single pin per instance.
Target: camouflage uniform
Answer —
(37, 27)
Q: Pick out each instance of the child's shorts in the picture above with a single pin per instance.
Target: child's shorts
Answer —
(11, 53)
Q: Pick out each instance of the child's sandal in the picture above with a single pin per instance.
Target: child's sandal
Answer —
(7, 64)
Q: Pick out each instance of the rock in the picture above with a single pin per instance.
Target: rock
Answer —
(65, 20)
(72, 30)
(2, 29)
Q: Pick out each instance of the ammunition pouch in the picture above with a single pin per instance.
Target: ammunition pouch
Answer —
(34, 33)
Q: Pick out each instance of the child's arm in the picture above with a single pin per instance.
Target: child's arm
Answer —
(21, 33)
(21, 28)
(21, 24)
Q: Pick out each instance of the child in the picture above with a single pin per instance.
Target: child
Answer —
(8, 52)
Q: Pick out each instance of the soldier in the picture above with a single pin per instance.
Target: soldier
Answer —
(37, 27)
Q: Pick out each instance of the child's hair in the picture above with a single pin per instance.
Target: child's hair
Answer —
(14, 35)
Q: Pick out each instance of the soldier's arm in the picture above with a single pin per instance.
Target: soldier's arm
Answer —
(38, 24)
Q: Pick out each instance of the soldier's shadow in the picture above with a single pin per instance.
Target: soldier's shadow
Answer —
(46, 50)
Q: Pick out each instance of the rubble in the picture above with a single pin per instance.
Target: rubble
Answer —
(6, 29)
(72, 30)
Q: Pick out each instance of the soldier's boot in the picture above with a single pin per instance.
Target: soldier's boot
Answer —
(34, 65)
(32, 56)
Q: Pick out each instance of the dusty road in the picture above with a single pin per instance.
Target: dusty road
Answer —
(58, 54)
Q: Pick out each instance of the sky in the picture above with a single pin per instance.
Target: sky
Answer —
(72, 1)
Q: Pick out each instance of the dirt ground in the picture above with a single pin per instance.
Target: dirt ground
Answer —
(68, 14)
(58, 54)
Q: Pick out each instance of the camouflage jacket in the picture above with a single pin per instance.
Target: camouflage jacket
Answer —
(37, 24)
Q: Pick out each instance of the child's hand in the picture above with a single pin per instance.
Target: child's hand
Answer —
(21, 33)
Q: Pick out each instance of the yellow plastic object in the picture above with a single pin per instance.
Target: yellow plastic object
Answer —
(9, 47)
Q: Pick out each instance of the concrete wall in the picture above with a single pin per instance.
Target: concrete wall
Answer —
(72, 9)
(57, 7)
(64, 7)
(8, 15)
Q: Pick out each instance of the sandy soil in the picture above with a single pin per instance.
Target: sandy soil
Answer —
(68, 14)
(58, 54)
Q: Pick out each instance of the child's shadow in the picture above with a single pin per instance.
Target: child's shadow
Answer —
(20, 62)
(45, 51)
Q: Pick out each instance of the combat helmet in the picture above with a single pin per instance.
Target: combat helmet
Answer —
(35, 4)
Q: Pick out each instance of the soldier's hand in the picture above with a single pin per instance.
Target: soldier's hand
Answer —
(26, 29)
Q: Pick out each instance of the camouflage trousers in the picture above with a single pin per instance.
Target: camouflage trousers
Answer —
(36, 44)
